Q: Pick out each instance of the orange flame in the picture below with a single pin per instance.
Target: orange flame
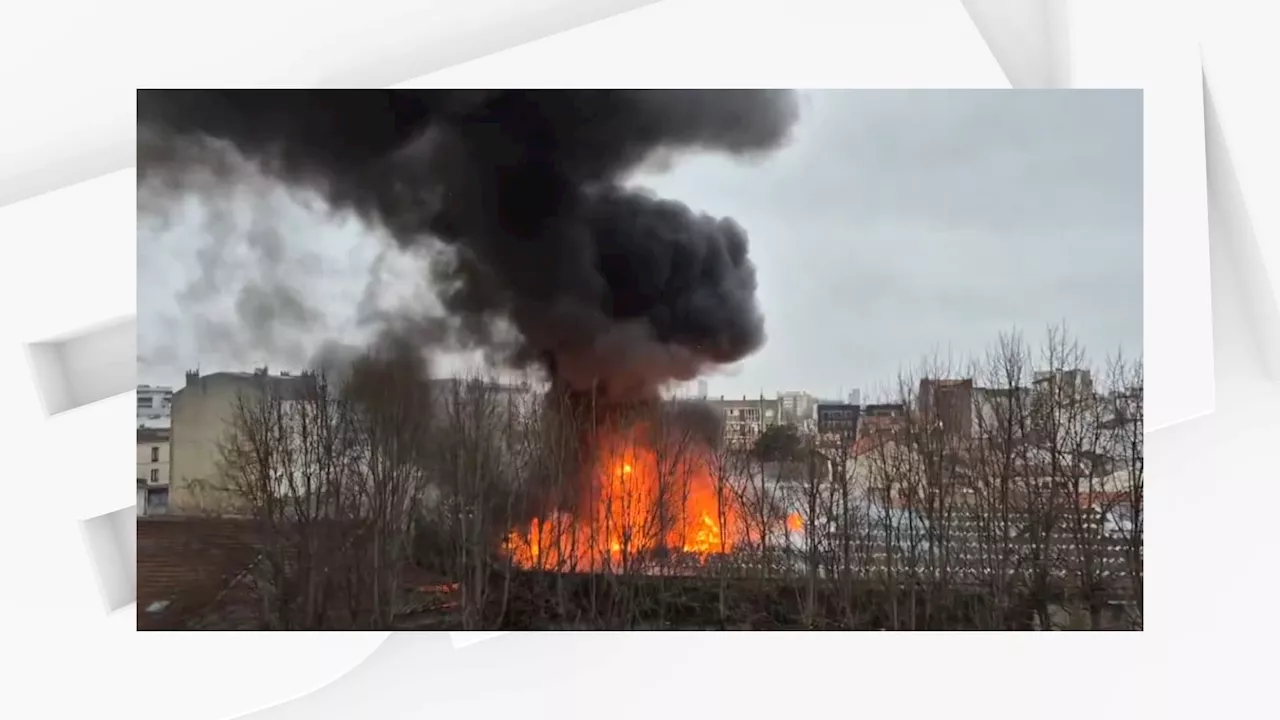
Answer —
(795, 523)
(644, 501)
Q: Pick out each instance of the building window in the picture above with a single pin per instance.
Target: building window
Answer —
(144, 402)
(155, 475)
(155, 454)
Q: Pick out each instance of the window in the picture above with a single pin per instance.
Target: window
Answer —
(155, 475)
(155, 454)
(144, 402)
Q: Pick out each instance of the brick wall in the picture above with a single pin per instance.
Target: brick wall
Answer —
(189, 562)
(202, 566)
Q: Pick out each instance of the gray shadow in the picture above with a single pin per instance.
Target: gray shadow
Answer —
(113, 547)
(84, 367)
(1231, 231)
(1027, 38)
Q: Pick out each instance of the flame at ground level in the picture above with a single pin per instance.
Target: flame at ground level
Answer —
(643, 501)
(795, 523)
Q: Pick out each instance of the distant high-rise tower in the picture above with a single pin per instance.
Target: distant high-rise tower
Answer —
(702, 389)
(855, 397)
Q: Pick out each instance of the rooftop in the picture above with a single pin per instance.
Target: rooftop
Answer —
(150, 435)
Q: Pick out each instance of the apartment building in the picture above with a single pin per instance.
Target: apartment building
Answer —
(746, 419)
(203, 412)
(881, 418)
(837, 419)
(154, 406)
(796, 407)
(948, 404)
(153, 470)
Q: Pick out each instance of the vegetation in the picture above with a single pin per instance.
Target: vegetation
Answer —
(386, 500)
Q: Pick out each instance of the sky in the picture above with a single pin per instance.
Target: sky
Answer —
(895, 225)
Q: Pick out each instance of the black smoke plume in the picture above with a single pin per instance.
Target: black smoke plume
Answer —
(610, 288)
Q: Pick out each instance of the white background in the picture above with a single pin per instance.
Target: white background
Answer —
(69, 69)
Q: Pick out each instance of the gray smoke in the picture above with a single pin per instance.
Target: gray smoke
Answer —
(258, 292)
(604, 286)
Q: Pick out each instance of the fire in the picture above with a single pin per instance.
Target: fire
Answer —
(644, 501)
(795, 523)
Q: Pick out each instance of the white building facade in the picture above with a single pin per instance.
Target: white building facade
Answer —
(155, 406)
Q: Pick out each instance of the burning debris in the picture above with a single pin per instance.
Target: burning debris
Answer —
(644, 501)
(650, 498)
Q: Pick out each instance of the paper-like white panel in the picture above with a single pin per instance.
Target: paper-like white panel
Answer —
(1027, 37)
(1113, 47)
(1231, 230)
(112, 540)
(86, 367)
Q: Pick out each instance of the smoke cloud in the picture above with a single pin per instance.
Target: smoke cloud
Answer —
(554, 260)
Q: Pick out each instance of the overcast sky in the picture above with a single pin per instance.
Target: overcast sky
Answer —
(896, 224)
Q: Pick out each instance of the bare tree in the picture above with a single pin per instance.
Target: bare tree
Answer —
(939, 432)
(893, 539)
(1050, 472)
(1124, 439)
(330, 470)
(988, 494)
(758, 494)
(811, 511)
(999, 456)
(726, 466)
(1090, 498)
(475, 459)
(389, 399)
(288, 457)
